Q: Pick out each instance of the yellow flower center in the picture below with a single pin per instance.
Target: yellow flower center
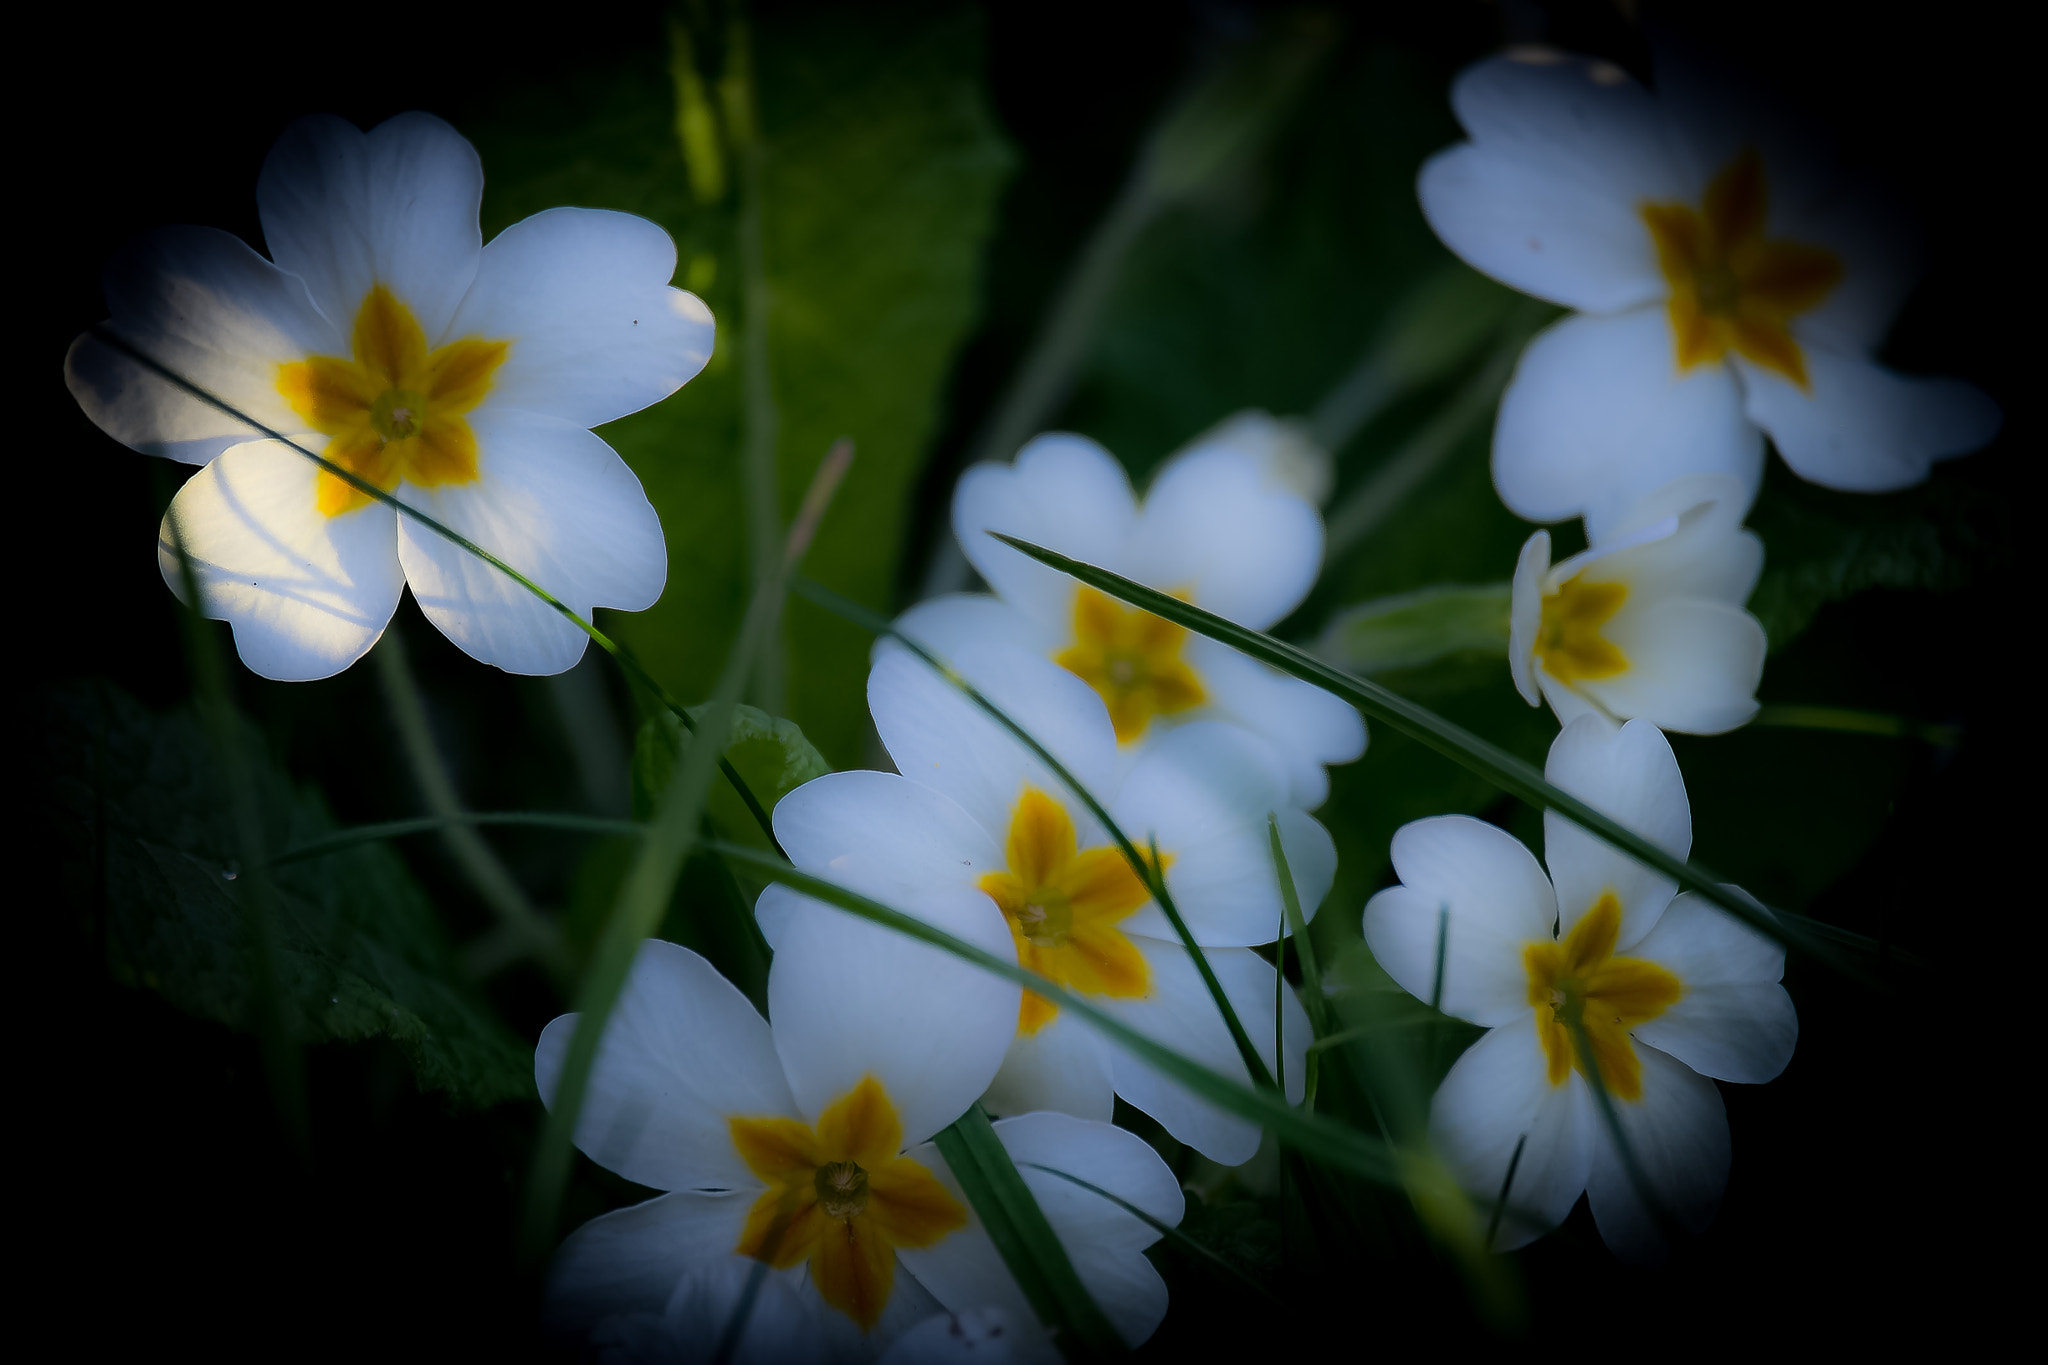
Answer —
(1579, 980)
(1133, 659)
(1569, 641)
(394, 410)
(1731, 287)
(841, 1197)
(1063, 904)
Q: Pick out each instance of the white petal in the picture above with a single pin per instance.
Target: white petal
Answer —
(308, 594)
(205, 306)
(629, 1260)
(962, 620)
(1179, 1012)
(1683, 540)
(964, 1270)
(1214, 524)
(1569, 704)
(583, 296)
(1630, 775)
(1065, 493)
(1063, 1068)
(1498, 1096)
(852, 999)
(1103, 1240)
(1679, 1133)
(1693, 665)
(683, 1052)
(1306, 726)
(1863, 428)
(1598, 416)
(559, 505)
(942, 740)
(1525, 614)
(781, 1326)
(973, 1336)
(343, 209)
(1471, 898)
(1734, 1022)
(884, 835)
(1203, 792)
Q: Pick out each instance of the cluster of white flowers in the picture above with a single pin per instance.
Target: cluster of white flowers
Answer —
(1726, 290)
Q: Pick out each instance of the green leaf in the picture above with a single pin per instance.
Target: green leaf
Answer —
(771, 753)
(1028, 1245)
(883, 167)
(148, 854)
(1419, 627)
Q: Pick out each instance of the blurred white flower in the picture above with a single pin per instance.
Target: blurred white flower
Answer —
(1650, 623)
(805, 1146)
(1670, 991)
(389, 338)
(1226, 526)
(978, 825)
(1728, 281)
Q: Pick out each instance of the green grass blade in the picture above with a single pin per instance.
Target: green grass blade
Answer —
(1166, 1230)
(1294, 926)
(1461, 746)
(1843, 720)
(1147, 871)
(1325, 1140)
(369, 490)
(434, 824)
(1026, 1241)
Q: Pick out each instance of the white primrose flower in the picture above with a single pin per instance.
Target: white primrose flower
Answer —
(975, 815)
(1651, 622)
(1727, 281)
(1670, 992)
(1225, 526)
(805, 1146)
(386, 336)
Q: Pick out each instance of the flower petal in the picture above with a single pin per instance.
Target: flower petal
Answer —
(1179, 1012)
(1217, 524)
(981, 1336)
(205, 306)
(1525, 614)
(780, 1325)
(1684, 540)
(559, 505)
(1497, 1097)
(343, 210)
(1863, 428)
(583, 296)
(1472, 892)
(1204, 791)
(1061, 1067)
(629, 1260)
(683, 1052)
(852, 999)
(1631, 775)
(1679, 1133)
(1734, 1022)
(1598, 416)
(307, 594)
(940, 739)
(1064, 492)
(1694, 666)
(1306, 726)
(965, 621)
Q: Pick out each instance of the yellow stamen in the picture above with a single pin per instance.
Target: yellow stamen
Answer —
(1569, 642)
(395, 411)
(1580, 979)
(1731, 287)
(1133, 659)
(842, 1198)
(1063, 904)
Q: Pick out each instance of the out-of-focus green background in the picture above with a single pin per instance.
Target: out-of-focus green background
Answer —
(931, 172)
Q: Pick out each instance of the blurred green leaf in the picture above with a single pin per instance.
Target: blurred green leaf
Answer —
(771, 754)
(1410, 629)
(884, 163)
(147, 850)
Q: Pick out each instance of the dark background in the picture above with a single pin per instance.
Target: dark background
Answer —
(1876, 1184)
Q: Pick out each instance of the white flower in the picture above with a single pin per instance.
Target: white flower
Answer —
(386, 336)
(1726, 278)
(1651, 622)
(975, 818)
(1670, 992)
(1223, 527)
(805, 1146)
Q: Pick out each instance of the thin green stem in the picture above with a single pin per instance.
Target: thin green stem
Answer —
(1166, 1230)
(352, 835)
(1846, 721)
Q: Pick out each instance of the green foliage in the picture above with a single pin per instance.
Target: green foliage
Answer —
(147, 851)
(1410, 629)
(883, 165)
(770, 753)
